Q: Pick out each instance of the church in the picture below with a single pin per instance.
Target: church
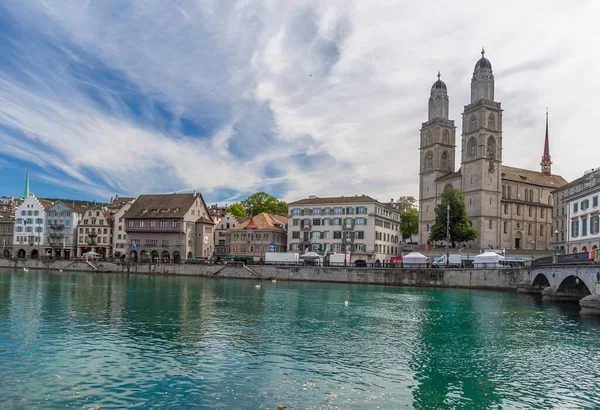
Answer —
(511, 208)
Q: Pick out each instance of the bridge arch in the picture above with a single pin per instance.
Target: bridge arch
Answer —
(540, 281)
(573, 284)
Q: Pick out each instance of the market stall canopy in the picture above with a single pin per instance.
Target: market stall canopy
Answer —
(487, 258)
(414, 258)
(310, 255)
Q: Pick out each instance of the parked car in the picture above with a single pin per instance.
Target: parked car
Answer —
(197, 260)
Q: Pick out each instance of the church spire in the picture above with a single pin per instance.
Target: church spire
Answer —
(546, 163)
(26, 192)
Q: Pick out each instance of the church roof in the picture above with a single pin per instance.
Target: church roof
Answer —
(451, 175)
(483, 62)
(532, 177)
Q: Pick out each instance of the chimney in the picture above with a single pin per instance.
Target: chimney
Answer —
(312, 197)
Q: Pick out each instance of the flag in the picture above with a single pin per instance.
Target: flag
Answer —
(133, 246)
(426, 246)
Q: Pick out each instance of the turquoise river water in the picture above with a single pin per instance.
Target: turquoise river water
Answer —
(82, 340)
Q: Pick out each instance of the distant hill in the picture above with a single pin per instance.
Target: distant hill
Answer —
(78, 202)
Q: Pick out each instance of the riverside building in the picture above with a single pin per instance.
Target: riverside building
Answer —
(361, 225)
(60, 238)
(258, 235)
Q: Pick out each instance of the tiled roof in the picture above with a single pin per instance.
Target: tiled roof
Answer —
(205, 220)
(263, 221)
(333, 200)
(166, 206)
(7, 216)
(45, 203)
(118, 202)
(581, 179)
(532, 177)
(451, 175)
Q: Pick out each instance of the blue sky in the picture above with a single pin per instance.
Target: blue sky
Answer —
(295, 97)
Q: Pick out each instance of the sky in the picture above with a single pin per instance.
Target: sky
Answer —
(294, 97)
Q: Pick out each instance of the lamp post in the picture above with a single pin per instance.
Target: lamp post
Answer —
(555, 246)
(447, 234)
(532, 248)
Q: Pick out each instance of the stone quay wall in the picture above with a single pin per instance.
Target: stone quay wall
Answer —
(505, 279)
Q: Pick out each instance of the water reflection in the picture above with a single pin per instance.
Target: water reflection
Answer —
(131, 340)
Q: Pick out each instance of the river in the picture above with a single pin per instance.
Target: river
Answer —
(80, 340)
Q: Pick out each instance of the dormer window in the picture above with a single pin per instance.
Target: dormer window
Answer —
(164, 210)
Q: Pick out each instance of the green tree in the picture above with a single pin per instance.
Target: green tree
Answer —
(460, 224)
(263, 202)
(409, 223)
(406, 202)
(237, 209)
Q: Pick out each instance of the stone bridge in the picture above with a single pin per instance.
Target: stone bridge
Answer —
(566, 282)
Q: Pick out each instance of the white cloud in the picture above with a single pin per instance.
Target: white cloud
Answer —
(346, 82)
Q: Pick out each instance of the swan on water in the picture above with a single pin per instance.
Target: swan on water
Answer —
(26, 269)
(257, 286)
(346, 303)
(274, 280)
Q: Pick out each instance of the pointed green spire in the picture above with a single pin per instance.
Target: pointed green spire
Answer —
(27, 183)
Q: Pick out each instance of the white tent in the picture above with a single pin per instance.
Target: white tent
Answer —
(90, 254)
(414, 259)
(310, 255)
(487, 259)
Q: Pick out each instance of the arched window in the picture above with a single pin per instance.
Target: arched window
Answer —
(531, 195)
(526, 194)
(530, 211)
(473, 123)
(509, 193)
(444, 162)
(541, 230)
(428, 139)
(529, 229)
(503, 191)
(491, 147)
(505, 227)
(550, 200)
(584, 249)
(506, 208)
(491, 224)
(472, 148)
(575, 250)
(491, 122)
(518, 209)
(429, 161)
(445, 137)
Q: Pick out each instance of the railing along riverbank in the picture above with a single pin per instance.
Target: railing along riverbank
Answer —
(505, 279)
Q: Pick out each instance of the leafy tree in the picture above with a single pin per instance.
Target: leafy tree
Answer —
(460, 224)
(409, 223)
(406, 202)
(263, 202)
(237, 210)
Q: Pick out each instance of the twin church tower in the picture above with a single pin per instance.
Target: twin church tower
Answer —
(509, 207)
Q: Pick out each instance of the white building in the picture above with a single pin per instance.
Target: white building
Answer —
(583, 216)
(30, 220)
(361, 225)
(120, 241)
(60, 237)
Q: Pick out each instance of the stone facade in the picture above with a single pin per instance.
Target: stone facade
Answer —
(361, 225)
(7, 229)
(164, 227)
(222, 240)
(509, 207)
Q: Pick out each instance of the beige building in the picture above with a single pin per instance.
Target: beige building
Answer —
(169, 228)
(361, 225)
(509, 207)
(94, 232)
(560, 198)
(222, 239)
(7, 229)
(258, 235)
(120, 240)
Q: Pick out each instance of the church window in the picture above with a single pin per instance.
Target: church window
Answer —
(509, 193)
(526, 194)
(542, 213)
(444, 164)
(473, 123)
(530, 211)
(445, 137)
(541, 230)
(429, 161)
(491, 122)
(472, 148)
(531, 195)
(447, 187)
(518, 209)
(529, 229)
(470, 201)
(550, 200)
(491, 224)
(428, 140)
(506, 209)
(505, 227)
(503, 191)
(491, 147)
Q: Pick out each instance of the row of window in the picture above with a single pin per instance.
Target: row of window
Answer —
(334, 247)
(277, 237)
(56, 213)
(29, 229)
(329, 221)
(329, 211)
(30, 213)
(594, 226)
(531, 211)
(34, 239)
(99, 240)
(445, 137)
(257, 248)
(491, 122)
(327, 235)
(585, 204)
(28, 221)
(152, 224)
(93, 230)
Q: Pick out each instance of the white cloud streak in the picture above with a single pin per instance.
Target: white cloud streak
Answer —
(345, 83)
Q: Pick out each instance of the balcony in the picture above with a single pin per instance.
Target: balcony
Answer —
(56, 235)
(305, 227)
(347, 227)
(57, 227)
(92, 234)
(57, 244)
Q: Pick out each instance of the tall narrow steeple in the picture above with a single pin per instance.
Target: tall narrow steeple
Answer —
(26, 192)
(546, 163)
